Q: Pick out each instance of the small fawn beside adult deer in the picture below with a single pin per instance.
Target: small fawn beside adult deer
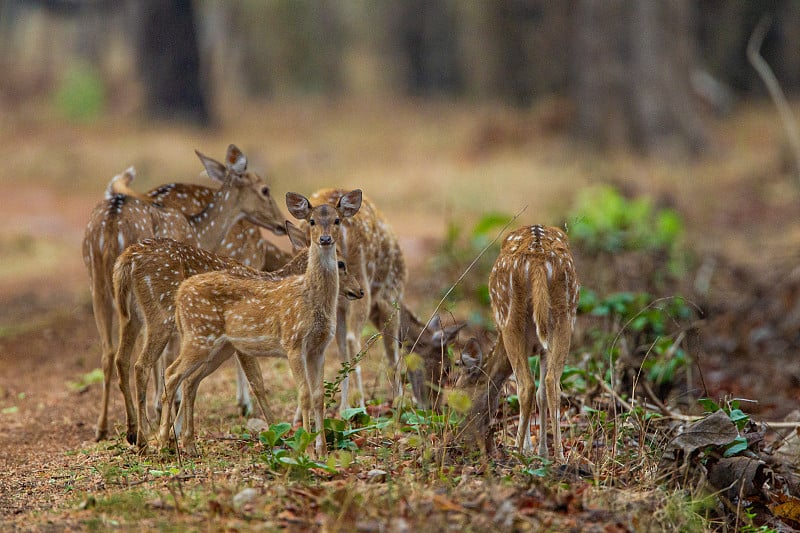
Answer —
(121, 220)
(534, 293)
(147, 276)
(294, 317)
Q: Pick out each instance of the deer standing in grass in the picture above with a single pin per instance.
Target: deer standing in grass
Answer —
(374, 256)
(121, 220)
(294, 318)
(534, 293)
(147, 276)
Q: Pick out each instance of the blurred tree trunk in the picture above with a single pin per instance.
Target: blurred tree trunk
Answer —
(169, 61)
(632, 61)
(426, 35)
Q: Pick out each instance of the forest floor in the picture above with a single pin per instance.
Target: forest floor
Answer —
(429, 167)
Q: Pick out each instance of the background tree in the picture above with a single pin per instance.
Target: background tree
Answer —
(169, 61)
(631, 67)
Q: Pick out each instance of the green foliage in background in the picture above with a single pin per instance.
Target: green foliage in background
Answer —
(81, 95)
(605, 221)
(645, 325)
(460, 249)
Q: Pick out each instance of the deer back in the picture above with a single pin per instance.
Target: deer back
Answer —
(534, 280)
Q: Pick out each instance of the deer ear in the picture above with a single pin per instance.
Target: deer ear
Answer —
(298, 205)
(349, 203)
(472, 356)
(235, 160)
(215, 170)
(297, 237)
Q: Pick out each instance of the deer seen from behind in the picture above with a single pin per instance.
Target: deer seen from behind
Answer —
(294, 317)
(121, 220)
(534, 292)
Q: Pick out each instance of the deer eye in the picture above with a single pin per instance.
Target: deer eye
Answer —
(340, 264)
(265, 191)
(337, 222)
(311, 222)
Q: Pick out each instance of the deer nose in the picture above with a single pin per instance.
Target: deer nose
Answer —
(325, 240)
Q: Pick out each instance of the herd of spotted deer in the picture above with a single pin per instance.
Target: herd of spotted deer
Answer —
(189, 262)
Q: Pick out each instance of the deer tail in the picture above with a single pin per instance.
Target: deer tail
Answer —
(540, 300)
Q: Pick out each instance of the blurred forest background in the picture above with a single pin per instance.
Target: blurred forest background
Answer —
(630, 73)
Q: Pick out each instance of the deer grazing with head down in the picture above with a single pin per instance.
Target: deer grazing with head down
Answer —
(534, 293)
(294, 317)
(147, 276)
(121, 220)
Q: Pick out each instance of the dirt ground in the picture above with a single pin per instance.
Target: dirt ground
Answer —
(425, 165)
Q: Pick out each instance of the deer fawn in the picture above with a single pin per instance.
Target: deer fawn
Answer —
(534, 292)
(243, 243)
(294, 317)
(373, 255)
(146, 278)
(121, 220)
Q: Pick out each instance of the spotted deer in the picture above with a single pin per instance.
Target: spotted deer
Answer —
(534, 290)
(121, 220)
(374, 256)
(294, 318)
(243, 243)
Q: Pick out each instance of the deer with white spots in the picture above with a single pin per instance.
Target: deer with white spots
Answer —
(121, 220)
(244, 243)
(534, 293)
(374, 256)
(147, 276)
(294, 318)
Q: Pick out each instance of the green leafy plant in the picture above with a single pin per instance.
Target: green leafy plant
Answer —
(282, 451)
(604, 220)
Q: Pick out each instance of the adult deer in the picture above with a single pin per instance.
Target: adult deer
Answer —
(294, 318)
(373, 255)
(534, 293)
(121, 220)
(147, 276)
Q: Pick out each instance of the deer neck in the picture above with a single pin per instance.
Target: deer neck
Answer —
(216, 219)
(322, 275)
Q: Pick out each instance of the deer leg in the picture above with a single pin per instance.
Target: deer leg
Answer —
(190, 385)
(191, 358)
(156, 339)
(129, 327)
(103, 309)
(516, 348)
(541, 402)
(559, 350)
(251, 370)
(316, 390)
(342, 318)
(166, 359)
(359, 313)
(242, 391)
(389, 323)
(298, 365)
